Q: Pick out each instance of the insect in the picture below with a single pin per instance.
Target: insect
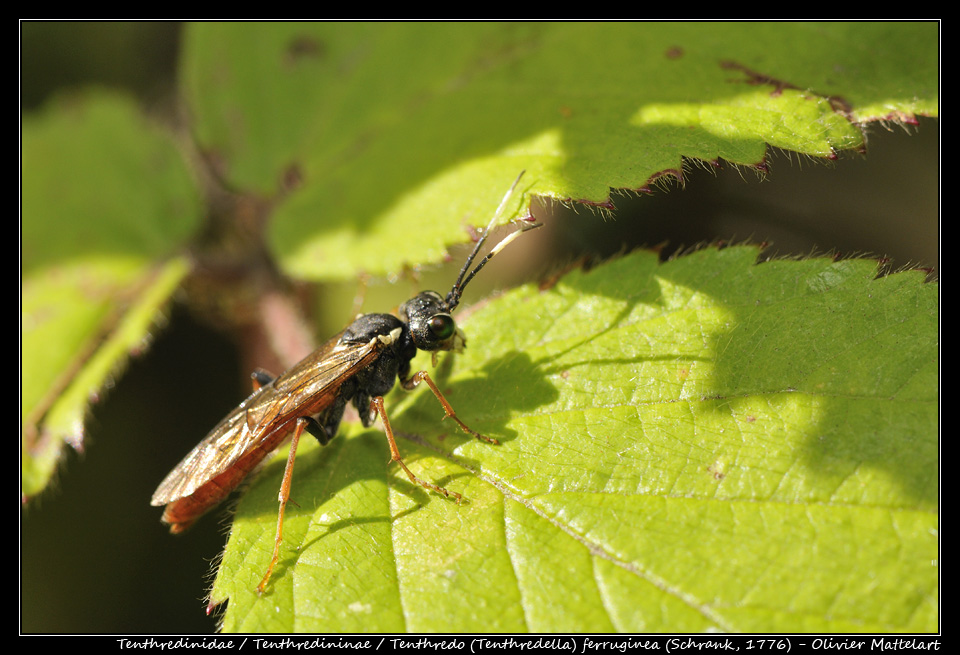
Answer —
(359, 365)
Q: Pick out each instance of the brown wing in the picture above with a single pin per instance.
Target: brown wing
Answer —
(305, 389)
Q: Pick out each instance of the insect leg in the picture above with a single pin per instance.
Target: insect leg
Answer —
(422, 376)
(376, 404)
(318, 431)
(261, 378)
(283, 497)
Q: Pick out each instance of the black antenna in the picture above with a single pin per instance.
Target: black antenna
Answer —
(453, 298)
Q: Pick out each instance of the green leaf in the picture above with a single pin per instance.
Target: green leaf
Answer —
(704, 444)
(106, 200)
(381, 140)
(698, 445)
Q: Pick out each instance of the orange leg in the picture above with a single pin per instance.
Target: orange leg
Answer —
(377, 405)
(422, 376)
(283, 498)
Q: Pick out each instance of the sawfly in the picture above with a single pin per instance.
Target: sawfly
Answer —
(359, 365)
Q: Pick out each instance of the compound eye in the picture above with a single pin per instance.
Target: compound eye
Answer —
(442, 326)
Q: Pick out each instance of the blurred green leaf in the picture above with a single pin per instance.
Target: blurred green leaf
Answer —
(106, 199)
(680, 452)
(382, 139)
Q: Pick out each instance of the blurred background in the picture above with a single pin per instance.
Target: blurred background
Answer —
(94, 557)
